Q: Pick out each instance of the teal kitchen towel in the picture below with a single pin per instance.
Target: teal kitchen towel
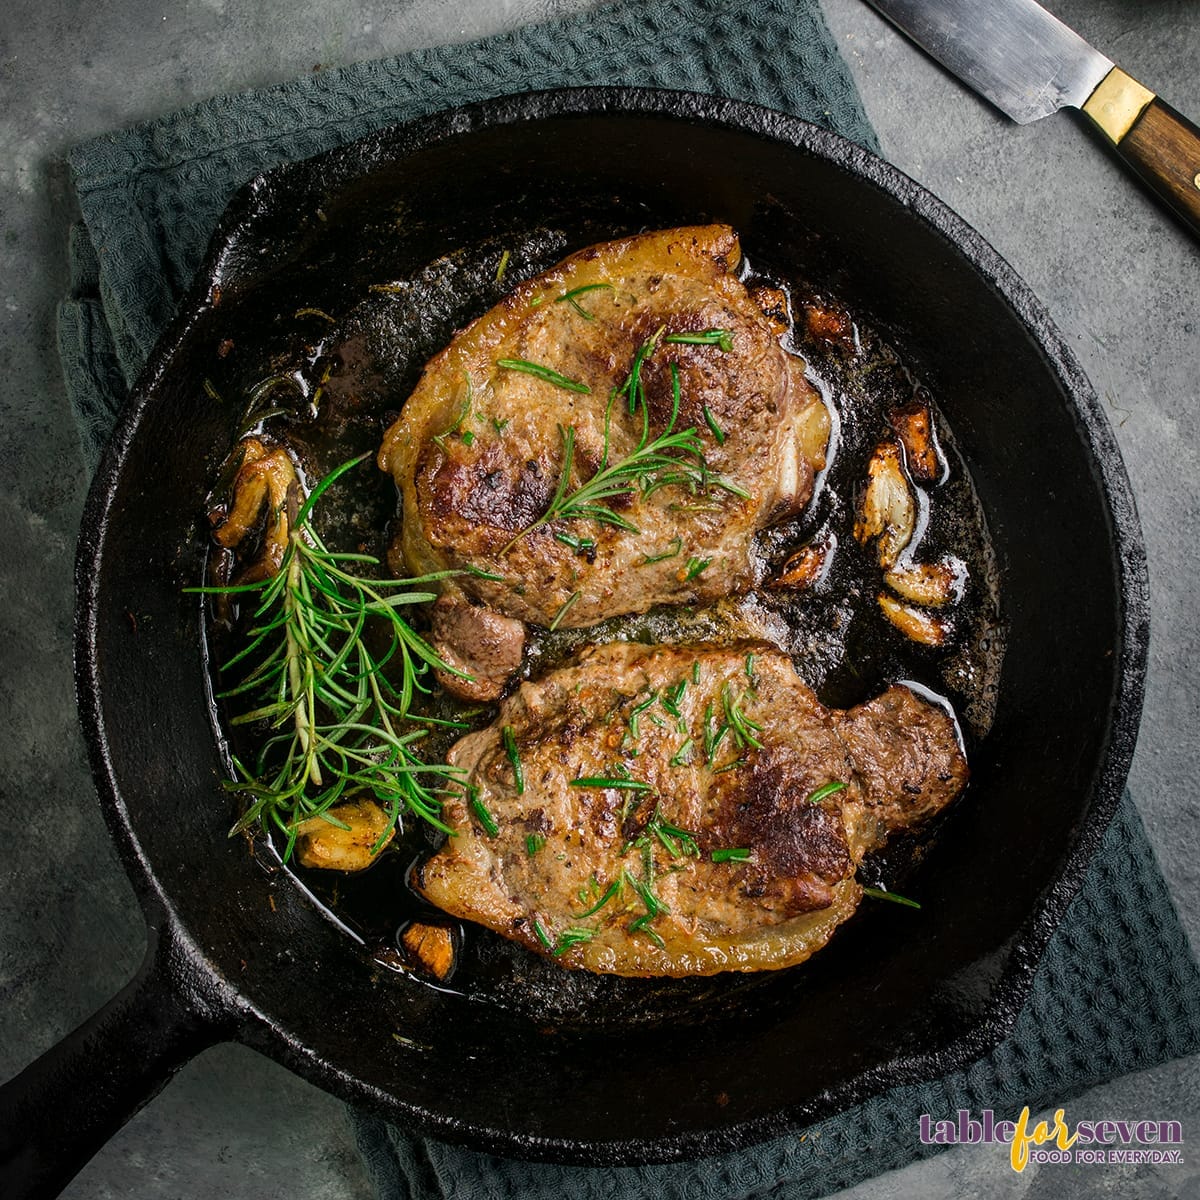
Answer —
(1118, 988)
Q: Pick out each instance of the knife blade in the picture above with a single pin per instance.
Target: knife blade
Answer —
(1029, 65)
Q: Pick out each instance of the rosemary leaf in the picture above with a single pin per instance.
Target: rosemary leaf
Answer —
(546, 374)
(894, 897)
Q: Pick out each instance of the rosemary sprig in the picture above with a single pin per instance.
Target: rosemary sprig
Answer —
(674, 547)
(674, 458)
(562, 612)
(612, 889)
(713, 427)
(310, 672)
(709, 337)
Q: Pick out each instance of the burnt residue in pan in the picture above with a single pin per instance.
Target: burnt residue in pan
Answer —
(336, 379)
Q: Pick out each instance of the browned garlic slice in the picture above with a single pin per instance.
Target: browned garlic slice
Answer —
(929, 584)
(927, 628)
(888, 511)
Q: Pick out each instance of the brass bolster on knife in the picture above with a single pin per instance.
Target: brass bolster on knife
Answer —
(1117, 103)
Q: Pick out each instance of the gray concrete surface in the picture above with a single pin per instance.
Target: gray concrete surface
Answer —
(1122, 281)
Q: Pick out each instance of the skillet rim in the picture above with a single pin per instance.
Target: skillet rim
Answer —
(213, 993)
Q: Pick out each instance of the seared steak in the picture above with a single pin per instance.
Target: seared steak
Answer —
(483, 451)
(676, 810)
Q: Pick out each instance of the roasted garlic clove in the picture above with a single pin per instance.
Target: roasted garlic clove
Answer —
(804, 568)
(350, 845)
(927, 628)
(914, 426)
(266, 479)
(430, 948)
(930, 584)
(829, 323)
(888, 511)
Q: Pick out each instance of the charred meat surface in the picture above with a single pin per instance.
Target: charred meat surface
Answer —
(576, 372)
(682, 810)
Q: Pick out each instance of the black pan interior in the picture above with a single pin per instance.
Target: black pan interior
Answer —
(659, 1072)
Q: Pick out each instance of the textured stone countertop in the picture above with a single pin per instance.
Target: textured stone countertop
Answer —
(1119, 277)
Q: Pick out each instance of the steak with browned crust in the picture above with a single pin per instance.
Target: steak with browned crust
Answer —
(676, 810)
(479, 450)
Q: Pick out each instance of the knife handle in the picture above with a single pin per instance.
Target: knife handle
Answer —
(1157, 143)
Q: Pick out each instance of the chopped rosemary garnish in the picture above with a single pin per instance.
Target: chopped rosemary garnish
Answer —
(546, 374)
(731, 854)
(569, 297)
(579, 545)
(750, 667)
(729, 766)
(572, 937)
(741, 726)
(683, 756)
(637, 710)
(514, 757)
(696, 671)
(826, 789)
(675, 548)
(672, 696)
(610, 892)
(467, 438)
(894, 897)
(317, 679)
(677, 842)
(654, 907)
(500, 426)
(711, 422)
(314, 312)
(710, 337)
(542, 935)
(694, 567)
(611, 781)
(481, 812)
(712, 735)
(562, 612)
(533, 843)
(502, 266)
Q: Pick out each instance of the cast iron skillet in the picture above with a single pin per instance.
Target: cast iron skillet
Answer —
(661, 1074)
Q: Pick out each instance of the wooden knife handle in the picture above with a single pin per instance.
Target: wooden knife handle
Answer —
(1157, 143)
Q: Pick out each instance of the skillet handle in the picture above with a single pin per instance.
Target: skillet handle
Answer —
(65, 1105)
